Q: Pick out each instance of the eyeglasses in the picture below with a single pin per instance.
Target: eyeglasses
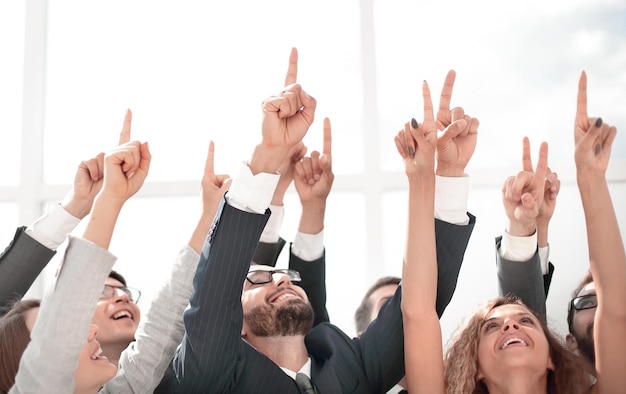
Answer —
(112, 291)
(587, 301)
(260, 277)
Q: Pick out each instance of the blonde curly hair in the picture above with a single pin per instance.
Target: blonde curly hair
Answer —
(461, 358)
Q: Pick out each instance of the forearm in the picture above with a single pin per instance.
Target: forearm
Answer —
(419, 269)
(312, 217)
(64, 318)
(606, 249)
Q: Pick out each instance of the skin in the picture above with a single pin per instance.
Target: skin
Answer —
(583, 327)
(115, 335)
(524, 362)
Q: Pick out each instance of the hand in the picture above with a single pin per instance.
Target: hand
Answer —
(416, 143)
(125, 170)
(286, 171)
(313, 180)
(286, 119)
(213, 185)
(523, 194)
(314, 175)
(455, 145)
(89, 177)
(592, 137)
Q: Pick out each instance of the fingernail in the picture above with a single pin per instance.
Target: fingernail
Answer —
(414, 123)
(598, 147)
(598, 122)
(411, 151)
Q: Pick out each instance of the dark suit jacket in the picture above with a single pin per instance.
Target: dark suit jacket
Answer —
(214, 358)
(524, 279)
(20, 264)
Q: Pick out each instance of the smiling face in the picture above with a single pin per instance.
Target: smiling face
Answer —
(580, 340)
(117, 319)
(277, 308)
(512, 338)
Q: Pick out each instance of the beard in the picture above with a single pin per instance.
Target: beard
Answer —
(585, 344)
(293, 317)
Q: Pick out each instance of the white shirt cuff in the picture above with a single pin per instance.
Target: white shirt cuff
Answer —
(308, 247)
(272, 228)
(451, 195)
(516, 248)
(52, 229)
(252, 193)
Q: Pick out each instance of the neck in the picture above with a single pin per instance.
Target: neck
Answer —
(285, 351)
(87, 390)
(518, 383)
(113, 351)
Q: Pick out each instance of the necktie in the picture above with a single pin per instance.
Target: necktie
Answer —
(304, 384)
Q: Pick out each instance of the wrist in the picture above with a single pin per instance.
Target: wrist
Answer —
(267, 159)
(312, 218)
(450, 170)
(77, 207)
(518, 229)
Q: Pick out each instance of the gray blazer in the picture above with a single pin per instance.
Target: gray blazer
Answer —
(524, 279)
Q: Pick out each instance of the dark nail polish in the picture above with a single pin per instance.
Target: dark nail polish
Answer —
(598, 122)
(414, 123)
(411, 151)
(598, 149)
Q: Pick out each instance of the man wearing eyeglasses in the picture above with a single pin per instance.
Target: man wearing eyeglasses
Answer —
(117, 316)
(248, 328)
(580, 315)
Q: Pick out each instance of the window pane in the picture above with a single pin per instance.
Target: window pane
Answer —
(517, 72)
(191, 72)
(11, 72)
(8, 218)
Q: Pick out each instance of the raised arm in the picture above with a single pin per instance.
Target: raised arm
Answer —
(313, 180)
(64, 319)
(32, 248)
(422, 332)
(524, 199)
(208, 358)
(593, 140)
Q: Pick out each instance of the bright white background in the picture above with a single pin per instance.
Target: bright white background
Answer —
(193, 71)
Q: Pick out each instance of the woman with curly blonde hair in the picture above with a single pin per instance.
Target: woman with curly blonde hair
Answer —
(462, 370)
(505, 347)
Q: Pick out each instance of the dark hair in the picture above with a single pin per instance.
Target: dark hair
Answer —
(14, 338)
(364, 311)
(117, 276)
(570, 311)
(461, 359)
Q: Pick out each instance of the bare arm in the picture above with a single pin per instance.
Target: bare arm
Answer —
(593, 139)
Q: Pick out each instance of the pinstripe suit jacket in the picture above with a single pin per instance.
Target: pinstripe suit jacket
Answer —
(20, 264)
(213, 358)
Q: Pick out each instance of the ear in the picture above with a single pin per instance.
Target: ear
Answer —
(480, 375)
(551, 366)
(244, 332)
(571, 343)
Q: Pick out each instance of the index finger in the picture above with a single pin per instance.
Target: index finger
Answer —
(208, 165)
(292, 71)
(429, 117)
(581, 102)
(446, 91)
(527, 163)
(125, 133)
(327, 137)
